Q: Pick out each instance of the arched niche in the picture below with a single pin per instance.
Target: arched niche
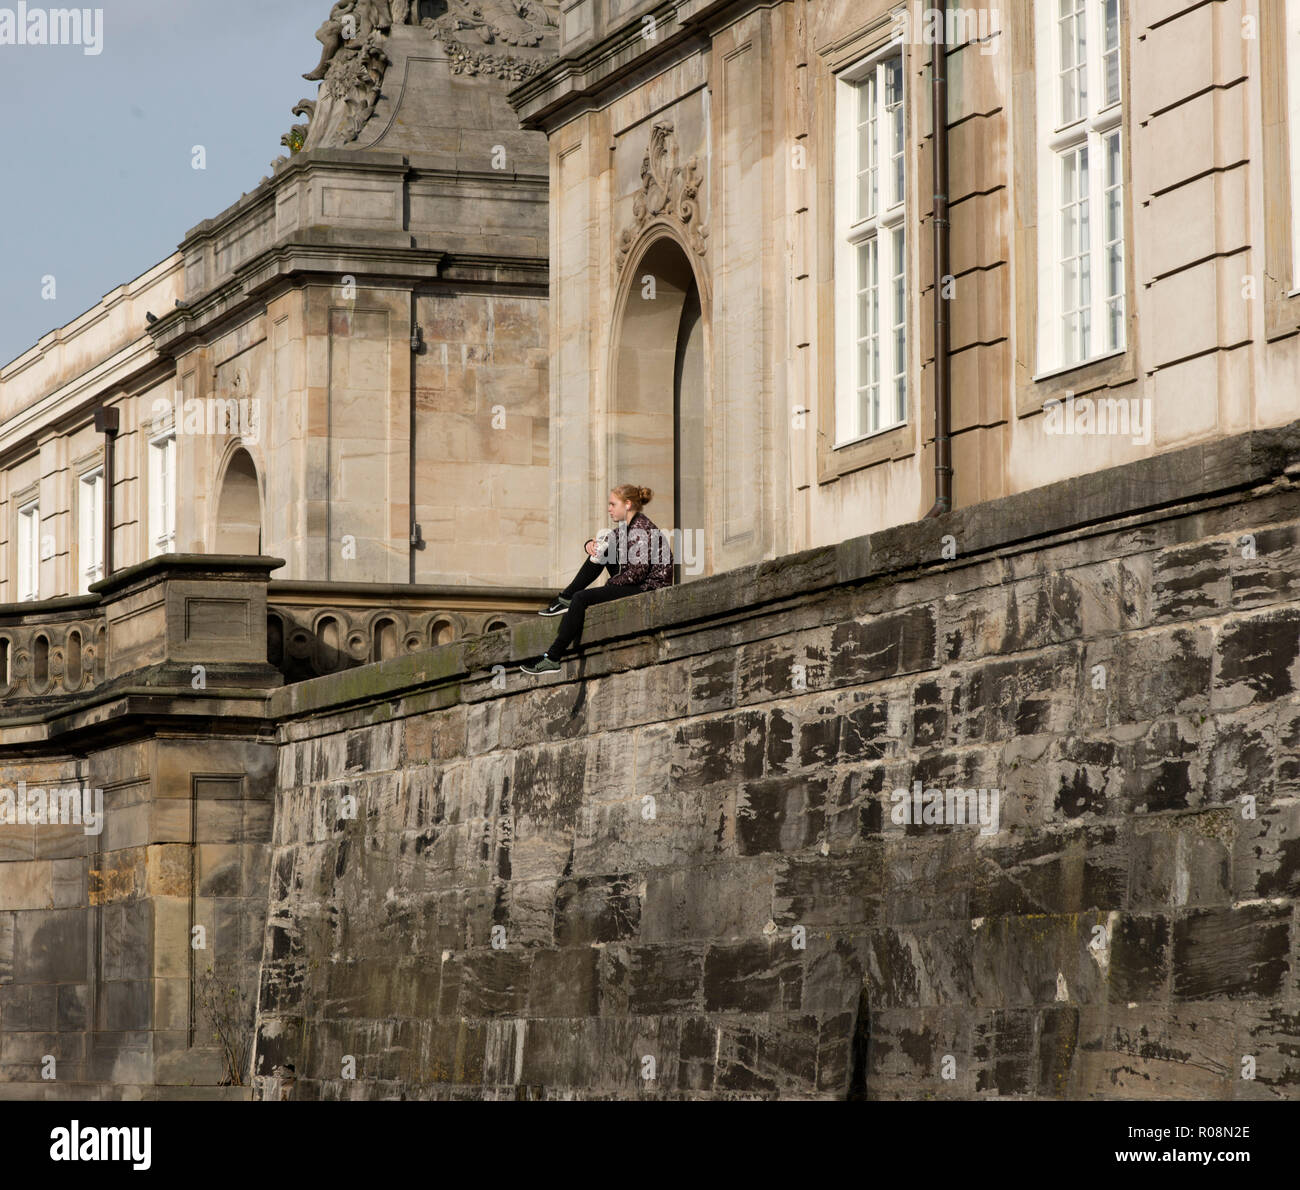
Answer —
(239, 507)
(659, 399)
(386, 640)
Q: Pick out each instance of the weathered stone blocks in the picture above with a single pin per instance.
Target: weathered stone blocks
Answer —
(683, 877)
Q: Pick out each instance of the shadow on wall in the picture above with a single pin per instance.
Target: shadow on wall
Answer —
(304, 643)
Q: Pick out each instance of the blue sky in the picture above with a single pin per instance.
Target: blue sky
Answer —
(98, 184)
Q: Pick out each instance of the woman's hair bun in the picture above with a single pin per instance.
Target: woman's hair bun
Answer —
(633, 493)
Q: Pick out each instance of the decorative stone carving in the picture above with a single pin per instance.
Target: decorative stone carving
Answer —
(515, 22)
(351, 69)
(306, 642)
(465, 60)
(50, 658)
(354, 58)
(669, 192)
(296, 137)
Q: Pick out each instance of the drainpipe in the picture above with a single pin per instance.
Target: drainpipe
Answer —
(942, 238)
(107, 422)
(417, 542)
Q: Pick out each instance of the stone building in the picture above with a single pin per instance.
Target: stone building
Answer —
(1124, 234)
(682, 867)
(345, 369)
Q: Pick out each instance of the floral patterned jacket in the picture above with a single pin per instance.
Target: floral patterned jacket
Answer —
(643, 554)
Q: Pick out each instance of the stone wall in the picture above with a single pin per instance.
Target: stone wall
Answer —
(679, 857)
(109, 927)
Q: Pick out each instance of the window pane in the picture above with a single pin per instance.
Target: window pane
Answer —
(870, 257)
(894, 122)
(1111, 53)
(897, 413)
(1073, 65)
(1114, 247)
(1074, 262)
(868, 353)
(29, 553)
(162, 496)
(867, 147)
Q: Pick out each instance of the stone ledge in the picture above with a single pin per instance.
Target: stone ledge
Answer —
(226, 567)
(1071, 506)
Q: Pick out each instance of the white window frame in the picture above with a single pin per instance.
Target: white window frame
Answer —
(856, 415)
(1292, 60)
(90, 529)
(162, 493)
(1090, 131)
(29, 552)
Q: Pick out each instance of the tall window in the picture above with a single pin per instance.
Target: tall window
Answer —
(1081, 290)
(870, 249)
(90, 529)
(1293, 128)
(162, 495)
(29, 552)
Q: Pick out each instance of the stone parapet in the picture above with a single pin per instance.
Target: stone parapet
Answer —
(155, 624)
(321, 628)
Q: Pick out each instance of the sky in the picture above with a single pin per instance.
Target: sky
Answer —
(97, 184)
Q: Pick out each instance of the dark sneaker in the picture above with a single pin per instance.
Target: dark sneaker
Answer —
(558, 608)
(544, 666)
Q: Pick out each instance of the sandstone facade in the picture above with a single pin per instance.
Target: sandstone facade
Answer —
(351, 362)
(749, 90)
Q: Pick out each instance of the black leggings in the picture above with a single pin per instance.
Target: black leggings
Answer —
(571, 624)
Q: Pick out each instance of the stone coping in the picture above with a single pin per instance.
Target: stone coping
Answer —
(296, 588)
(1070, 506)
(223, 566)
(39, 609)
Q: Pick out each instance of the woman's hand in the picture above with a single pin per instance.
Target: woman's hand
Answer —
(591, 548)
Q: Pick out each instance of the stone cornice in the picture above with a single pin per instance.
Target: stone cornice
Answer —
(134, 367)
(88, 319)
(131, 709)
(374, 162)
(223, 289)
(597, 74)
(270, 272)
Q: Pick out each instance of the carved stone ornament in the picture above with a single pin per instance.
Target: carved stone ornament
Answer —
(510, 22)
(668, 191)
(354, 54)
